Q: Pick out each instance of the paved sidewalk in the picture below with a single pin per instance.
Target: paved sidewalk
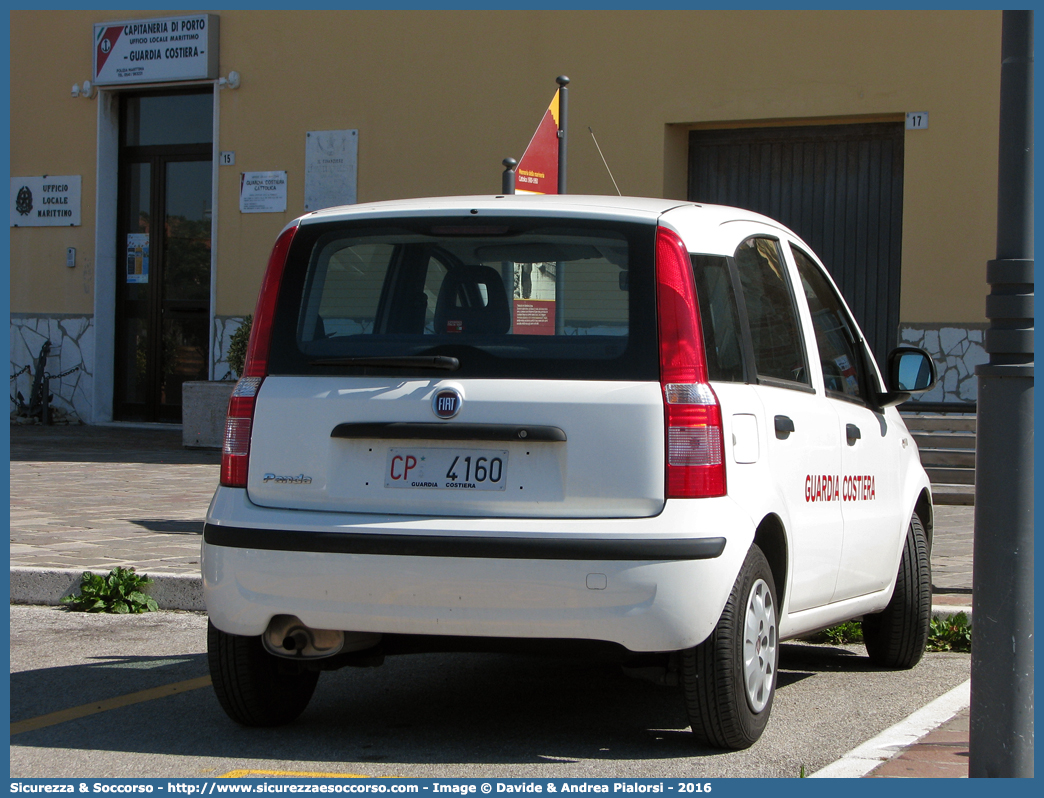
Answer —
(940, 754)
(94, 497)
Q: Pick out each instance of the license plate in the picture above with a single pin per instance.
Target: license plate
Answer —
(446, 469)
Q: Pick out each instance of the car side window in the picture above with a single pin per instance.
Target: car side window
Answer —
(345, 290)
(433, 277)
(779, 352)
(718, 317)
(835, 335)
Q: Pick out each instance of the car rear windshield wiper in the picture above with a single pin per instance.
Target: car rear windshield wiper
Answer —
(443, 362)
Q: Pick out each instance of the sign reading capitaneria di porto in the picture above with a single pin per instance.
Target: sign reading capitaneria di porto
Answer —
(156, 50)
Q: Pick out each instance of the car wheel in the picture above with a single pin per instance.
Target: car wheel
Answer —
(896, 636)
(729, 680)
(253, 687)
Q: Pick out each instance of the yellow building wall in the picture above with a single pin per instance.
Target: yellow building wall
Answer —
(51, 133)
(440, 98)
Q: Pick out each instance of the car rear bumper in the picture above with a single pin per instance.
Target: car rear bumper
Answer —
(642, 583)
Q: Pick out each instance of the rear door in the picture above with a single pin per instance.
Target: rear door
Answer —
(747, 469)
(801, 428)
(502, 367)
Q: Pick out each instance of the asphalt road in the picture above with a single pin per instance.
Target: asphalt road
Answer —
(436, 715)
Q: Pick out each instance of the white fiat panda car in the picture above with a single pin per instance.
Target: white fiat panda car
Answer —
(646, 428)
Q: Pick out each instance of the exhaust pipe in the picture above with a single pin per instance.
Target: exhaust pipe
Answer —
(287, 636)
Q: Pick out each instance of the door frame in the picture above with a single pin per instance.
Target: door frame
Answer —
(107, 260)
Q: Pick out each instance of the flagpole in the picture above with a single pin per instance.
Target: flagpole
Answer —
(563, 130)
(563, 141)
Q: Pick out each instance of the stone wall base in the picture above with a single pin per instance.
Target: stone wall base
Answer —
(956, 349)
(70, 365)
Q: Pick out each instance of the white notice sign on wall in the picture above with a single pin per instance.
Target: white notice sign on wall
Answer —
(331, 158)
(46, 201)
(262, 192)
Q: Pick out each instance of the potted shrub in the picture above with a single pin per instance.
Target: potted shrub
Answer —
(237, 347)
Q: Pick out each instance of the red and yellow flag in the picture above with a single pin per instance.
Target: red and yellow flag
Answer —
(537, 171)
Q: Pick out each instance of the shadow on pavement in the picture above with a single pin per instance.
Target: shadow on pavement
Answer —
(97, 444)
(170, 527)
(430, 708)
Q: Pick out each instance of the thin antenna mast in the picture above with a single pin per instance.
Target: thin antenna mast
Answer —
(610, 171)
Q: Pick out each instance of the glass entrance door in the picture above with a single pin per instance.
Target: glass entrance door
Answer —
(163, 286)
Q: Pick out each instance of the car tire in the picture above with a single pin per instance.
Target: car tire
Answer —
(896, 636)
(252, 686)
(729, 680)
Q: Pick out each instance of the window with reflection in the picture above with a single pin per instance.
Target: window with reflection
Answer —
(779, 352)
(836, 338)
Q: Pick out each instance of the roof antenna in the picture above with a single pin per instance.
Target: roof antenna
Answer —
(610, 171)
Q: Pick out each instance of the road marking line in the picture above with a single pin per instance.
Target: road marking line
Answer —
(238, 774)
(864, 758)
(141, 664)
(62, 716)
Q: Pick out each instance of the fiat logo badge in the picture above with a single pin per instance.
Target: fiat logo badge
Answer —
(446, 402)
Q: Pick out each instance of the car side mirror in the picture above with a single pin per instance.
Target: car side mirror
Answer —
(910, 370)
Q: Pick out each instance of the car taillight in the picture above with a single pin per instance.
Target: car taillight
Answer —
(695, 443)
(695, 446)
(235, 453)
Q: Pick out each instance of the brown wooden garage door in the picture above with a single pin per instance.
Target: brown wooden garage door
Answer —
(839, 187)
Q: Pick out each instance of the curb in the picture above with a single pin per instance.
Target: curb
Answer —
(48, 585)
(892, 741)
(948, 610)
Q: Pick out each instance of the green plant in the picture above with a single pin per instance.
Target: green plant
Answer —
(237, 346)
(802, 774)
(120, 592)
(952, 633)
(847, 632)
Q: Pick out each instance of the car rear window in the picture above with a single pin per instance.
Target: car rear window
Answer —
(505, 297)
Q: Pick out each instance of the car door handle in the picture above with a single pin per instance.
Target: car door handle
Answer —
(784, 426)
(852, 433)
